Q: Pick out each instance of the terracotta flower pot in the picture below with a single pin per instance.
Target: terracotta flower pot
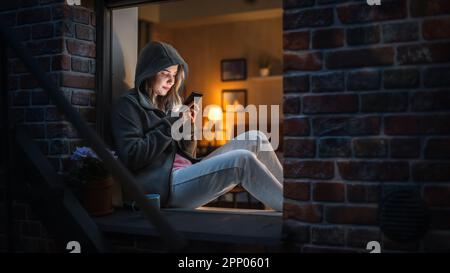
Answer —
(97, 197)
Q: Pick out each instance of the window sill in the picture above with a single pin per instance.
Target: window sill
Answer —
(237, 226)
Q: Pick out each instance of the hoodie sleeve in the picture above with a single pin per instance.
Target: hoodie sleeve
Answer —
(137, 148)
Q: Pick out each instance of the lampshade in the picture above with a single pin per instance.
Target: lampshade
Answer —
(215, 113)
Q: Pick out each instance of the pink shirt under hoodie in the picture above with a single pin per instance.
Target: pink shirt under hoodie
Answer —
(180, 162)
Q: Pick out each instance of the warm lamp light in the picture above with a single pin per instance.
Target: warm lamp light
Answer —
(215, 113)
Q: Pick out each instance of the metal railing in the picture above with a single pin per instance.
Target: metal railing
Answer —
(173, 240)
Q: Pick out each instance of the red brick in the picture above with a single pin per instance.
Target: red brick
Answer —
(436, 29)
(52, 114)
(303, 61)
(328, 82)
(431, 171)
(298, 40)
(34, 15)
(61, 130)
(45, 47)
(28, 81)
(326, 235)
(291, 105)
(437, 76)
(84, 32)
(429, 7)
(34, 114)
(303, 212)
(346, 126)
(363, 80)
(417, 125)
(351, 215)
(363, 35)
(405, 147)
(334, 147)
(39, 98)
(330, 104)
(42, 31)
(81, 15)
(328, 38)
(81, 98)
(401, 78)
(359, 237)
(400, 32)
(370, 147)
(384, 102)
(366, 57)
(296, 84)
(437, 196)
(79, 48)
(21, 98)
(59, 147)
(296, 190)
(80, 65)
(308, 18)
(329, 192)
(300, 148)
(374, 170)
(60, 62)
(36, 130)
(22, 33)
(361, 13)
(430, 100)
(438, 148)
(296, 127)
(78, 81)
(88, 114)
(363, 193)
(295, 232)
(308, 169)
(423, 53)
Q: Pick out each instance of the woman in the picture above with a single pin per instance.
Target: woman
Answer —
(141, 123)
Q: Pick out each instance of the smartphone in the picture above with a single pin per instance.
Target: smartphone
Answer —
(190, 98)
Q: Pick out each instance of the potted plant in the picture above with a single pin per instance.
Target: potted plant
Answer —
(264, 66)
(96, 182)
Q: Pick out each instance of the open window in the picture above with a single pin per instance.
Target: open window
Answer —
(233, 49)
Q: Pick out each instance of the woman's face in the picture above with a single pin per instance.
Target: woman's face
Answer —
(164, 80)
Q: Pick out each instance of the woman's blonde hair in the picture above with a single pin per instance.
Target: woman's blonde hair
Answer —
(172, 98)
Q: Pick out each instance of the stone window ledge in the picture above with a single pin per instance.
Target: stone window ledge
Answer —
(237, 226)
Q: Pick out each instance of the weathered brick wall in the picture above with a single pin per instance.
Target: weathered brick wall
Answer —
(63, 39)
(367, 107)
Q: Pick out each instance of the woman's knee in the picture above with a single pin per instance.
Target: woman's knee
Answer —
(252, 135)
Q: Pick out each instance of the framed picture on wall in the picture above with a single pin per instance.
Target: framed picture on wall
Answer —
(233, 69)
(234, 97)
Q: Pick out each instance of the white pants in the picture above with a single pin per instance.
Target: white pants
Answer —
(240, 161)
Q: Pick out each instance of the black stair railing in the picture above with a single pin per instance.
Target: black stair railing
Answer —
(173, 240)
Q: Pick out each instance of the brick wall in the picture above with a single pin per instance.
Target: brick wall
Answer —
(367, 108)
(63, 40)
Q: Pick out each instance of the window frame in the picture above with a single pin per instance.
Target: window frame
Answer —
(103, 69)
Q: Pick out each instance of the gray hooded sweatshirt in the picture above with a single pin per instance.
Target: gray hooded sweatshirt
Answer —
(142, 132)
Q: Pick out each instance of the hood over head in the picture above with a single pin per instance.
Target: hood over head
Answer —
(153, 58)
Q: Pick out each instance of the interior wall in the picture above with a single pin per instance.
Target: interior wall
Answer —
(204, 47)
(124, 49)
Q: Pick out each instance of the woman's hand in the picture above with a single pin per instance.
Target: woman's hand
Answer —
(191, 113)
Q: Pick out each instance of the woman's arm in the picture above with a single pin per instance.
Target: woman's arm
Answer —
(137, 148)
